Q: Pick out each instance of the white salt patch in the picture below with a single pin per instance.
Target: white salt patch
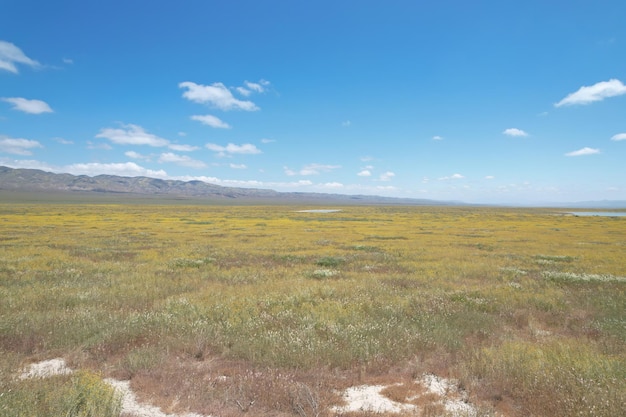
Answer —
(46, 369)
(131, 406)
(435, 385)
(452, 399)
(369, 398)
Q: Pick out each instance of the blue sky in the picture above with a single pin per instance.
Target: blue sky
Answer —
(511, 102)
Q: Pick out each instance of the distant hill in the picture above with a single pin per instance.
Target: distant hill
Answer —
(37, 181)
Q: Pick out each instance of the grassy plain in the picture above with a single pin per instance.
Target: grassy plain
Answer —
(227, 309)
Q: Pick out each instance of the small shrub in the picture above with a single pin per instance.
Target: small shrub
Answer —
(330, 261)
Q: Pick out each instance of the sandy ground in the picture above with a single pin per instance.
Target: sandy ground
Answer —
(370, 398)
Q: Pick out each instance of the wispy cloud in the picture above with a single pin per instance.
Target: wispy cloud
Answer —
(386, 176)
(583, 151)
(28, 106)
(592, 93)
(346, 123)
(128, 169)
(211, 120)
(182, 148)
(182, 160)
(452, 177)
(10, 55)
(99, 146)
(266, 140)
(365, 173)
(231, 148)
(216, 95)
(18, 146)
(312, 169)
(250, 87)
(513, 131)
(260, 87)
(437, 137)
(619, 136)
(63, 141)
(132, 135)
(137, 155)
(237, 166)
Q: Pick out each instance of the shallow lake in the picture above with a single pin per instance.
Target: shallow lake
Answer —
(598, 213)
(318, 211)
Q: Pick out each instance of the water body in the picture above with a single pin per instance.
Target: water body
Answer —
(318, 211)
(598, 213)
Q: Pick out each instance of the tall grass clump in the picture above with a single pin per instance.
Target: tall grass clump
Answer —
(83, 394)
(561, 377)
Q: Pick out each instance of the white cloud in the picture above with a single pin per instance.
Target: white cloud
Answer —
(259, 87)
(10, 55)
(212, 121)
(244, 92)
(312, 169)
(514, 132)
(333, 185)
(365, 173)
(452, 177)
(28, 106)
(182, 160)
(238, 166)
(132, 135)
(583, 151)
(18, 146)
(182, 148)
(387, 176)
(619, 136)
(437, 137)
(63, 141)
(129, 169)
(489, 177)
(246, 148)
(216, 95)
(136, 155)
(596, 92)
(265, 140)
(101, 146)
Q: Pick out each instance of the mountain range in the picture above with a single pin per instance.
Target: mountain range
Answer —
(34, 182)
(29, 181)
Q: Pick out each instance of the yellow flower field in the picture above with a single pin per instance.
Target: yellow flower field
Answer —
(224, 309)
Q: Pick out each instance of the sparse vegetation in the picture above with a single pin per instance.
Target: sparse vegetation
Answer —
(223, 310)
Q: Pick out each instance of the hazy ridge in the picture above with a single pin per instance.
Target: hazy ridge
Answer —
(34, 180)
